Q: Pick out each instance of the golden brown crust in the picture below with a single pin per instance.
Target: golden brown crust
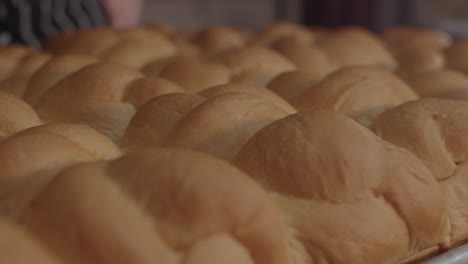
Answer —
(353, 46)
(155, 120)
(15, 114)
(254, 65)
(245, 88)
(51, 146)
(456, 56)
(132, 47)
(103, 95)
(306, 57)
(18, 80)
(216, 39)
(195, 75)
(291, 84)
(421, 60)
(207, 125)
(360, 92)
(403, 39)
(277, 31)
(52, 72)
(441, 83)
(10, 58)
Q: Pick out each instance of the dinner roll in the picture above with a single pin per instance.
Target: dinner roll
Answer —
(277, 31)
(215, 39)
(104, 96)
(219, 125)
(131, 47)
(254, 65)
(15, 115)
(51, 146)
(360, 92)
(456, 56)
(442, 83)
(354, 46)
(57, 68)
(421, 60)
(306, 57)
(401, 39)
(195, 75)
(245, 88)
(290, 84)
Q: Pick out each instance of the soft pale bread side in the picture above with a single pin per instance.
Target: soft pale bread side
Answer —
(331, 175)
(17, 247)
(210, 218)
(431, 129)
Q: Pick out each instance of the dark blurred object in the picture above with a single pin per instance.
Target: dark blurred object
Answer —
(339, 13)
(30, 22)
(371, 14)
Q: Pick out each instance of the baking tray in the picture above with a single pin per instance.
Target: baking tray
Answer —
(457, 255)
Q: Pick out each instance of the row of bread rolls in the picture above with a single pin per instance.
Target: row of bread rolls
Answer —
(400, 189)
(394, 205)
(282, 57)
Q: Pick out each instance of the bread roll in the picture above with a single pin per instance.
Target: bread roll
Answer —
(195, 75)
(456, 56)
(155, 120)
(306, 57)
(18, 79)
(431, 129)
(217, 39)
(17, 65)
(104, 96)
(402, 39)
(52, 72)
(165, 29)
(290, 84)
(421, 60)
(51, 146)
(359, 92)
(244, 88)
(154, 68)
(277, 31)
(17, 247)
(397, 34)
(442, 83)
(15, 115)
(254, 65)
(219, 125)
(131, 47)
(331, 180)
(353, 46)
(10, 57)
(211, 219)
(138, 48)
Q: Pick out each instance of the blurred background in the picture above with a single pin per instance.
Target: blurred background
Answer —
(450, 16)
(32, 21)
